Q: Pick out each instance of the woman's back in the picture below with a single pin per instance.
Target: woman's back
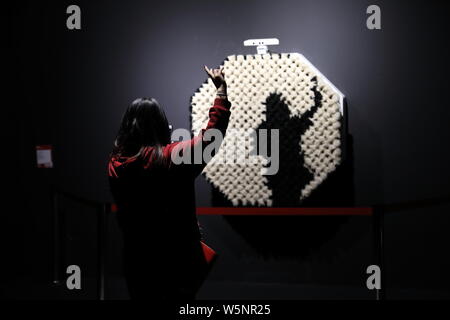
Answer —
(155, 198)
(158, 201)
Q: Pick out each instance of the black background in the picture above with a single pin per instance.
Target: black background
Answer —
(69, 89)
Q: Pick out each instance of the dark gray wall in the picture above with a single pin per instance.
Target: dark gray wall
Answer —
(71, 87)
(158, 48)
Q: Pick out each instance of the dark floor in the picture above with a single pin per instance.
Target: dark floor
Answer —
(116, 290)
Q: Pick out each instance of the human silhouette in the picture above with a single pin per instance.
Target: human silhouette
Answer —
(286, 185)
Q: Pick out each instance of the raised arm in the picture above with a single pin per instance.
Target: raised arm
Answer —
(219, 115)
(220, 112)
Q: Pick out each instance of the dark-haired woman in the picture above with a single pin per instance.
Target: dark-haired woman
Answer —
(155, 197)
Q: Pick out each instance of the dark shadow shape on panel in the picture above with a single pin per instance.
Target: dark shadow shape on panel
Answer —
(294, 236)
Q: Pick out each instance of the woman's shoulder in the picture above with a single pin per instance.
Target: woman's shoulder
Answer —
(147, 157)
(126, 160)
(168, 148)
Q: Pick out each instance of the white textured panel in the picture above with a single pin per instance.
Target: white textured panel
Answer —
(251, 79)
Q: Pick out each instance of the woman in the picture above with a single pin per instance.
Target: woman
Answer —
(155, 197)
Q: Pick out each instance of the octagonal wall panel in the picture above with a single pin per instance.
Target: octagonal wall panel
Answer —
(273, 91)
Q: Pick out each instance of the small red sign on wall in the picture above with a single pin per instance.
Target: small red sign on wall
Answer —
(44, 156)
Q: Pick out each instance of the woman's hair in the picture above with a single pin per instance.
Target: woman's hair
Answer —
(144, 124)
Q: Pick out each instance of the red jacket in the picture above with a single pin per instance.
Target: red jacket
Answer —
(156, 204)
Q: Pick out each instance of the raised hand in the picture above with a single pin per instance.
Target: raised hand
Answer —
(217, 76)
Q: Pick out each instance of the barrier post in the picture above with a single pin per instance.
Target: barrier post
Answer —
(56, 238)
(378, 249)
(102, 240)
